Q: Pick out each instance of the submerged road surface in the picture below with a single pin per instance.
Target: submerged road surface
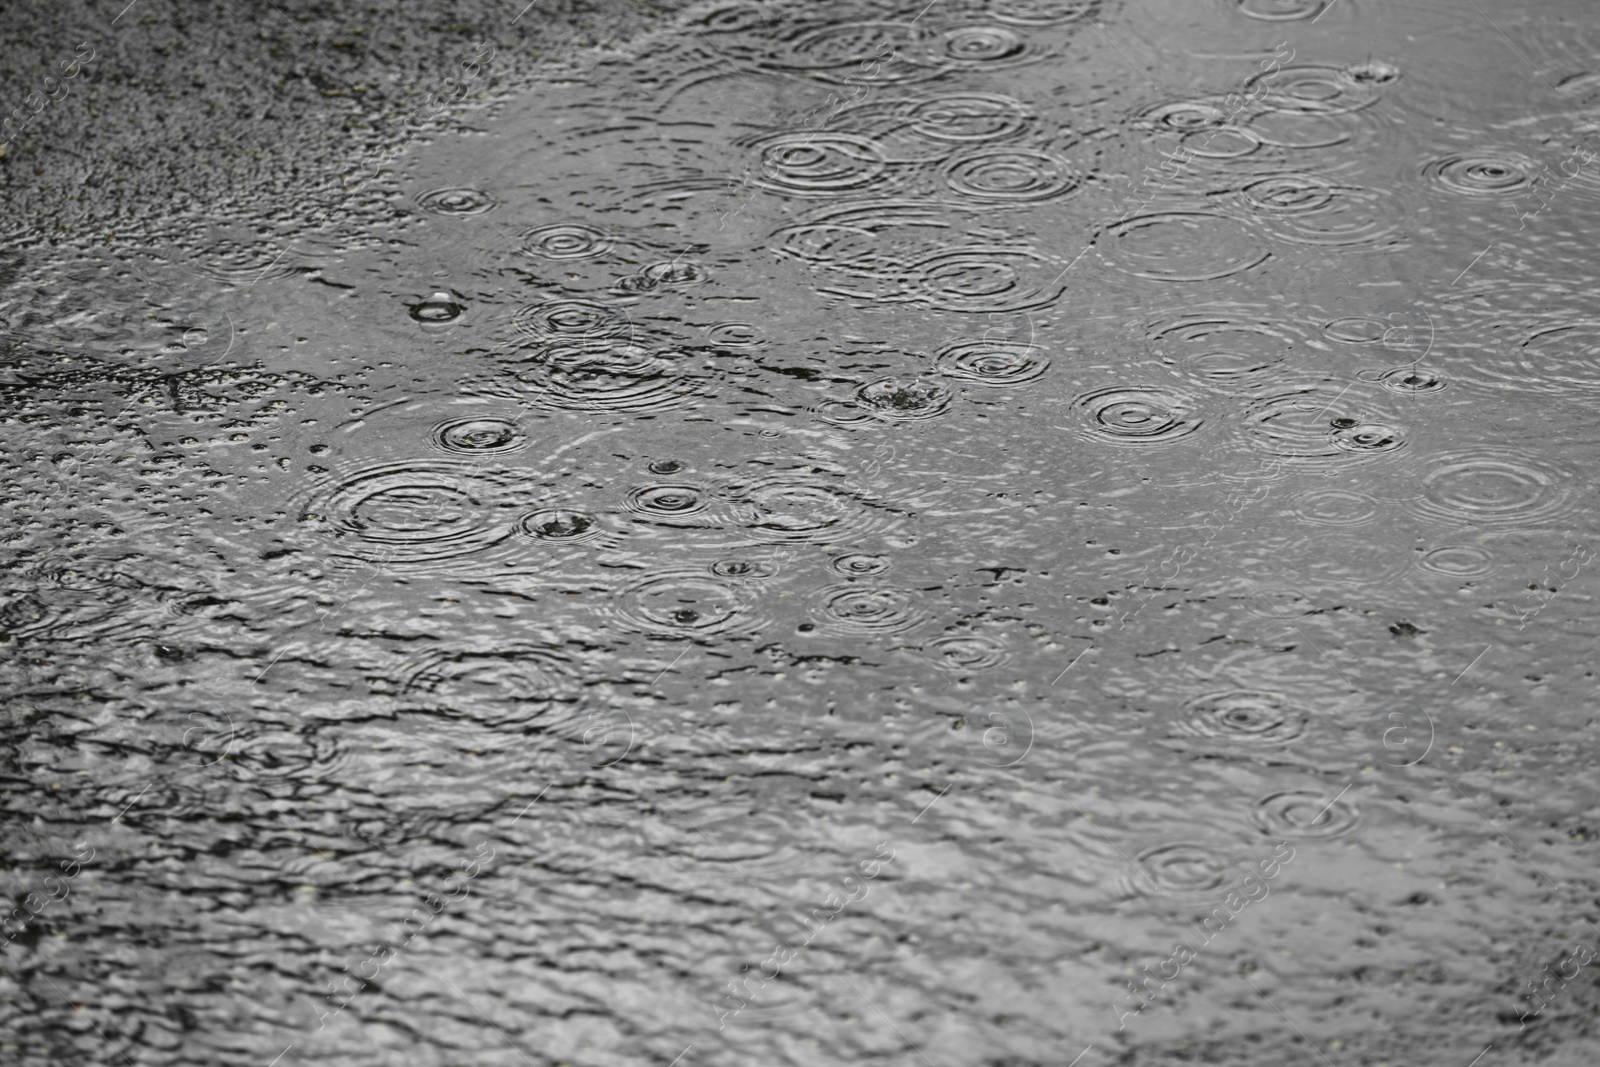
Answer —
(965, 534)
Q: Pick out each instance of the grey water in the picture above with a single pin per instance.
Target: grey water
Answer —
(966, 534)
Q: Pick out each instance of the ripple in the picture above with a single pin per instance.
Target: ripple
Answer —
(1313, 90)
(970, 117)
(1220, 366)
(819, 164)
(1040, 12)
(1335, 507)
(566, 240)
(993, 363)
(1312, 422)
(1181, 246)
(613, 377)
(857, 565)
(836, 412)
(991, 278)
(1304, 813)
(1356, 331)
(1366, 437)
(1136, 415)
(1289, 193)
(684, 604)
(1410, 381)
(1282, 10)
(1585, 86)
(1316, 211)
(665, 501)
(1492, 487)
(904, 399)
(518, 685)
(1483, 174)
(1555, 360)
(93, 573)
(438, 309)
(207, 338)
(1565, 356)
(1218, 347)
(745, 570)
(455, 202)
(850, 609)
(984, 46)
(1234, 142)
(1180, 869)
(904, 251)
(837, 52)
(833, 245)
(573, 321)
(409, 512)
(733, 335)
(794, 509)
(1294, 129)
(1459, 561)
(1246, 716)
(230, 259)
(1292, 424)
(998, 733)
(83, 600)
(1180, 116)
(599, 737)
(674, 275)
(478, 436)
(1213, 133)
(562, 525)
(970, 652)
(1010, 174)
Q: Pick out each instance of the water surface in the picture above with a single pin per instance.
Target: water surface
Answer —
(989, 532)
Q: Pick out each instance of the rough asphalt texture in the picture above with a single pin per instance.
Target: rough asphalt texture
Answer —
(145, 125)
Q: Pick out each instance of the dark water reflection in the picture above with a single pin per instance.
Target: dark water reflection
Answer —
(986, 532)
